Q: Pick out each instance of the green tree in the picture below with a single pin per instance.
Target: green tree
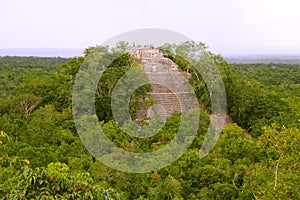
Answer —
(55, 182)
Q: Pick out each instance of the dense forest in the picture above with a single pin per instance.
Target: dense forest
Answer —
(264, 59)
(42, 156)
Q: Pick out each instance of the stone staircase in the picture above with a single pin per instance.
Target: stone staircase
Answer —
(170, 87)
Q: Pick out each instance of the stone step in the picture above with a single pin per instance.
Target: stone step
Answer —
(170, 88)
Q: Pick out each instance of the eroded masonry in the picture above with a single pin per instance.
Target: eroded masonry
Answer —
(170, 87)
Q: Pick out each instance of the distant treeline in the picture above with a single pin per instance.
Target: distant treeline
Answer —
(32, 61)
(270, 74)
(264, 59)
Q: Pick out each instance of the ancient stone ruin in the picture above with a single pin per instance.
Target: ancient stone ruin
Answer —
(170, 87)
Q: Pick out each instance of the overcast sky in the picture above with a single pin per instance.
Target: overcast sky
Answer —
(226, 26)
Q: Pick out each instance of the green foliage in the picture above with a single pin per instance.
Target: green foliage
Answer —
(254, 105)
(276, 175)
(33, 62)
(55, 182)
(42, 157)
(270, 74)
(250, 104)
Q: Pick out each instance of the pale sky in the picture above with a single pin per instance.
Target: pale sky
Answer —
(226, 26)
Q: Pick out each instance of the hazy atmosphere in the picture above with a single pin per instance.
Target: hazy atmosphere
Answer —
(149, 100)
(229, 27)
